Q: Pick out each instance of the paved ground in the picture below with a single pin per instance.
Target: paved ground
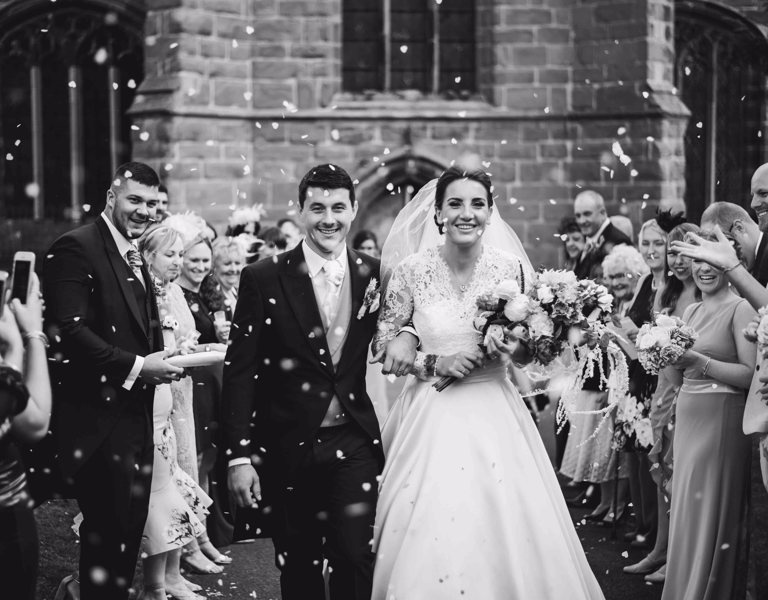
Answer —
(253, 575)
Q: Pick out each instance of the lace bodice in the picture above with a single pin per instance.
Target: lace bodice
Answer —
(420, 292)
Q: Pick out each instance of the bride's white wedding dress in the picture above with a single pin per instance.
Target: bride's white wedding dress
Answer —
(469, 504)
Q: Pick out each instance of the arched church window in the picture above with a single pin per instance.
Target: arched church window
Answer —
(721, 68)
(68, 73)
(396, 45)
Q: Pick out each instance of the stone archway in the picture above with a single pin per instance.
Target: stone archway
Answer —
(385, 188)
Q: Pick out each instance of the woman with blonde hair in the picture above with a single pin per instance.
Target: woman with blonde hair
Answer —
(177, 506)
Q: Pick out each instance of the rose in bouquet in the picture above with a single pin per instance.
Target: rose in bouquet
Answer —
(663, 342)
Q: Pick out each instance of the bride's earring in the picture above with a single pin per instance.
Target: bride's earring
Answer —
(440, 225)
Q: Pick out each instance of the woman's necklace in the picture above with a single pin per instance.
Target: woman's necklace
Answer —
(462, 282)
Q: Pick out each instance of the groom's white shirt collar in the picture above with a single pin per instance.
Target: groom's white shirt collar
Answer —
(315, 262)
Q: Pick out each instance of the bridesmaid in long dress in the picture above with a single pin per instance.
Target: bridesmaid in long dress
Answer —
(678, 293)
(711, 478)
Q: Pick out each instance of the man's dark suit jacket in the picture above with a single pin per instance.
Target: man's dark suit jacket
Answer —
(760, 268)
(278, 375)
(589, 266)
(97, 326)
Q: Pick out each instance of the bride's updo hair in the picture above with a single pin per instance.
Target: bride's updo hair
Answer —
(454, 173)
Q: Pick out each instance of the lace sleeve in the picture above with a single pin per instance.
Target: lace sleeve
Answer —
(396, 313)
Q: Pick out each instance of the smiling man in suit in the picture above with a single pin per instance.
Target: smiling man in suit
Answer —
(294, 399)
(101, 314)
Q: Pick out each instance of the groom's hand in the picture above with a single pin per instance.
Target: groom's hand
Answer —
(244, 485)
(399, 354)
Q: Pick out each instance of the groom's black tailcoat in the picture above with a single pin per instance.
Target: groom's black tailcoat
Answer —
(279, 380)
(99, 318)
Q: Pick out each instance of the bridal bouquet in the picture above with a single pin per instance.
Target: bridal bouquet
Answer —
(662, 342)
(500, 315)
(558, 311)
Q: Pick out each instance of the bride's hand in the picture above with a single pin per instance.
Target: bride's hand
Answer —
(513, 347)
(459, 365)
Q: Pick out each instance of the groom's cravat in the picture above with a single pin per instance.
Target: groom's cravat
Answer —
(134, 261)
(334, 276)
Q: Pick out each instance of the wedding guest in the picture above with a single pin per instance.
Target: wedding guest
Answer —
(601, 235)
(25, 411)
(162, 203)
(365, 241)
(102, 317)
(177, 505)
(674, 297)
(711, 453)
(291, 231)
(721, 254)
(272, 242)
(573, 242)
(229, 258)
(623, 224)
(653, 248)
(199, 458)
(589, 453)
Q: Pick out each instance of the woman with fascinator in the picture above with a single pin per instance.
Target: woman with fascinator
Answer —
(469, 504)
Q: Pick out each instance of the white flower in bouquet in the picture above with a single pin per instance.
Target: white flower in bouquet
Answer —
(605, 301)
(544, 294)
(518, 308)
(507, 290)
(644, 432)
(495, 332)
(541, 325)
(555, 278)
(666, 321)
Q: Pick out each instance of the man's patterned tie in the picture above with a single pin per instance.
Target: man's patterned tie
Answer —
(134, 261)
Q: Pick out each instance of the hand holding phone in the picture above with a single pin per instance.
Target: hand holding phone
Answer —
(3, 282)
(23, 268)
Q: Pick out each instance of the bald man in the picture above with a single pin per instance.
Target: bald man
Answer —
(600, 233)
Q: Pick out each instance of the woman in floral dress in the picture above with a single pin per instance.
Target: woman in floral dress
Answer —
(177, 506)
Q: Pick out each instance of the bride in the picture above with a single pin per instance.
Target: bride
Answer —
(469, 503)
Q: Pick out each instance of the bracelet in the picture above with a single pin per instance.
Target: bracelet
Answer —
(36, 335)
(729, 269)
(430, 364)
(706, 366)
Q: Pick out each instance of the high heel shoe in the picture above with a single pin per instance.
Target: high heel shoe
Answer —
(212, 553)
(196, 562)
(597, 515)
(645, 566)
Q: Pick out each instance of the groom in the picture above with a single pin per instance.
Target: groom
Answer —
(294, 399)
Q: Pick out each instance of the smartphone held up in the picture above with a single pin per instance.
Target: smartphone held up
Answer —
(21, 277)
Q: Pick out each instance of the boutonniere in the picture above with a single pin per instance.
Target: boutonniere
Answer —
(371, 298)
